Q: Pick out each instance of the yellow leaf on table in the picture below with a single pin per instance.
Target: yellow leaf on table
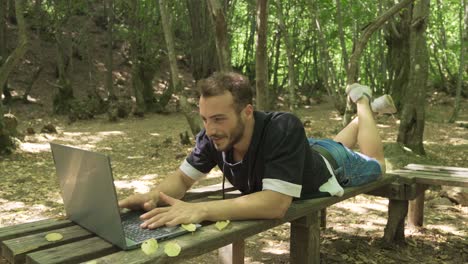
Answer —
(91, 262)
(172, 249)
(150, 246)
(222, 224)
(53, 237)
(189, 227)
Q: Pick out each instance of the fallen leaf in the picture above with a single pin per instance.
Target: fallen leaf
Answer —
(53, 237)
(150, 246)
(172, 249)
(222, 224)
(189, 227)
(91, 262)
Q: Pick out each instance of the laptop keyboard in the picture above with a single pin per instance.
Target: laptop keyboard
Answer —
(131, 223)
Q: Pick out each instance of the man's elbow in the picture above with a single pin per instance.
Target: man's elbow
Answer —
(280, 211)
(279, 214)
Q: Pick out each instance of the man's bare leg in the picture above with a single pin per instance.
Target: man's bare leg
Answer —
(368, 136)
(348, 136)
(363, 129)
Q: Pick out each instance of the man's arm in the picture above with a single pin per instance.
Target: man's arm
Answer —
(260, 205)
(175, 185)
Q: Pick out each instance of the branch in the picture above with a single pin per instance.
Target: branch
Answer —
(367, 33)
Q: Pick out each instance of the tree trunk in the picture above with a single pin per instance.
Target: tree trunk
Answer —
(3, 44)
(292, 86)
(397, 39)
(143, 69)
(6, 143)
(203, 60)
(261, 59)
(249, 69)
(412, 120)
(273, 95)
(220, 29)
(109, 83)
(352, 72)
(344, 52)
(64, 95)
(326, 65)
(11, 11)
(463, 50)
(176, 82)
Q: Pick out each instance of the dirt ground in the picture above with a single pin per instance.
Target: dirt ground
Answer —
(145, 150)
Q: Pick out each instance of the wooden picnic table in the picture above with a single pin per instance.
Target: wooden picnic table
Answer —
(25, 243)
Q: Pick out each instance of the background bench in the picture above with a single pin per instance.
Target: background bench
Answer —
(406, 195)
(25, 243)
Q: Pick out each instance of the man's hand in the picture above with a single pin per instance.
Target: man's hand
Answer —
(178, 212)
(146, 201)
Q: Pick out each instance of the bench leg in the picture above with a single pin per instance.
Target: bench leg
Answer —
(395, 229)
(232, 254)
(305, 240)
(323, 218)
(416, 211)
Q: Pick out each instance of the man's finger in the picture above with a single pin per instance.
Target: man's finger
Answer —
(167, 199)
(149, 205)
(125, 203)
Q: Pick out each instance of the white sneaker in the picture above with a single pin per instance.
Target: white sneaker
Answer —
(356, 91)
(383, 105)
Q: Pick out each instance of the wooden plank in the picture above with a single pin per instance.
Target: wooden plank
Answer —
(15, 250)
(434, 179)
(458, 182)
(435, 168)
(76, 252)
(431, 173)
(305, 240)
(237, 230)
(10, 232)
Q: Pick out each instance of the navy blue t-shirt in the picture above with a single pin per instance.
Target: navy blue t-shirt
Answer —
(279, 158)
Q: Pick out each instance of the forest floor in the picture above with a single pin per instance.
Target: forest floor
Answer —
(145, 150)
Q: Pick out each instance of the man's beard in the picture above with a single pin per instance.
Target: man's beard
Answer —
(236, 136)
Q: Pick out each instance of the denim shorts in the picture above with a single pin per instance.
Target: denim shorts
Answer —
(354, 168)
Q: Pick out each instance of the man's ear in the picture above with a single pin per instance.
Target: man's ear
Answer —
(248, 110)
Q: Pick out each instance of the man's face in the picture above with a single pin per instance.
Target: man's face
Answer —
(221, 121)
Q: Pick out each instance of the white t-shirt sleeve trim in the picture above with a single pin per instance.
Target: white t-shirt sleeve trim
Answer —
(283, 187)
(190, 171)
(331, 186)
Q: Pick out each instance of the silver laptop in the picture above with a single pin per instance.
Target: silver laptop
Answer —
(90, 199)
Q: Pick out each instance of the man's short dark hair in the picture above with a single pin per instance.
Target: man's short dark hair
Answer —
(220, 82)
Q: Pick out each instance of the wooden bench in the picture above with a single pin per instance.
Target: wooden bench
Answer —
(406, 195)
(25, 243)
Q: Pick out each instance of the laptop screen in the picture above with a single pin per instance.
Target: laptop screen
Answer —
(88, 191)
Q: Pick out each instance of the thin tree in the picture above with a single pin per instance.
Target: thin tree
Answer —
(221, 34)
(5, 140)
(326, 65)
(261, 59)
(463, 50)
(339, 21)
(3, 45)
(176, 84)
(109, 9)
(292, 86)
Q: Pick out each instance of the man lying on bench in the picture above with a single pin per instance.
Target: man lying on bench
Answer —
(266, 156)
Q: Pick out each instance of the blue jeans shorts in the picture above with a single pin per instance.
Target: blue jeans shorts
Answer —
(354, 168)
